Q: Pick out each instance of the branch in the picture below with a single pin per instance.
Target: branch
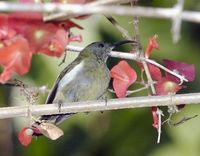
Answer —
(109, 7)
(65, 15)
(101, 105)
(110, 2)
(131, 56)
(77, 9)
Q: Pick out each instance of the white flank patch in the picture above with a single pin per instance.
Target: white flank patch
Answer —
(71, 75)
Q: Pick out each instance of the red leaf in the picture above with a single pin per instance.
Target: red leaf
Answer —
(25, 136)
(15, 58)
(151, 45)
(123, 76)
(186, 70)
(155, 117)
(155, 72)
(166, 86)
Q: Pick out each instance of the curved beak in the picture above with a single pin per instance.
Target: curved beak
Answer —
(116, 44)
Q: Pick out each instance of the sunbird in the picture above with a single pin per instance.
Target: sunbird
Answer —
(86, 78)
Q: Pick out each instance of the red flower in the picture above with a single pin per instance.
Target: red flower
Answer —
(25, 34)
(25, 136)
(166, 86)
(155, 117)
(15, 57)
(123, 76)
(151, 45)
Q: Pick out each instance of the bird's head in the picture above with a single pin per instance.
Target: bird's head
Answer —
(101, 50)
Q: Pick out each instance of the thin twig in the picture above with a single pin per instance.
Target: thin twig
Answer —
(128, 92)
(17, 83)
(176, 21)
(131, 56)
(160, 114)
(123, 31)
(136, 31)
(182, 78)
(183, 120)
(136, 90)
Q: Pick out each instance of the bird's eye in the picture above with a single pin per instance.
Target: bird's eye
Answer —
(100, 45)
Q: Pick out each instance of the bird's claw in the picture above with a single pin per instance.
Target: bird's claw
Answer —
(60, 104)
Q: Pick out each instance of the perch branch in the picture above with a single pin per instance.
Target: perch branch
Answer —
(90, 106)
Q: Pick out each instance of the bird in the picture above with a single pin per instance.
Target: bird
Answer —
(86, 78)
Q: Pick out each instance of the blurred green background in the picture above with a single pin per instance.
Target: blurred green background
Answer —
(113, 133)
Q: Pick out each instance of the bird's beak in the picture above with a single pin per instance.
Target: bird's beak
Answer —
(116, 44)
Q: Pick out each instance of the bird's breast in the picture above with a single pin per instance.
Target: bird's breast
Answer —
(88, 80)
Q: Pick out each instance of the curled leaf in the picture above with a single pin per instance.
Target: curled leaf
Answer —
(50, 130)
(123, 76)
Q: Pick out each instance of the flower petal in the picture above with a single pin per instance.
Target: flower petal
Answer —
(152, 44)
(166, 86)
(123, 76)
(155, 117)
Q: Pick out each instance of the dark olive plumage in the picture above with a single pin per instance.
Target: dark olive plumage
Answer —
(86, 78)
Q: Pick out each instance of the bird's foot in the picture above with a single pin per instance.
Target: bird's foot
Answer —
(60, 104)
(106, 101)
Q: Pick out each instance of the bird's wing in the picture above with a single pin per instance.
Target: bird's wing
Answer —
(53, 92)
